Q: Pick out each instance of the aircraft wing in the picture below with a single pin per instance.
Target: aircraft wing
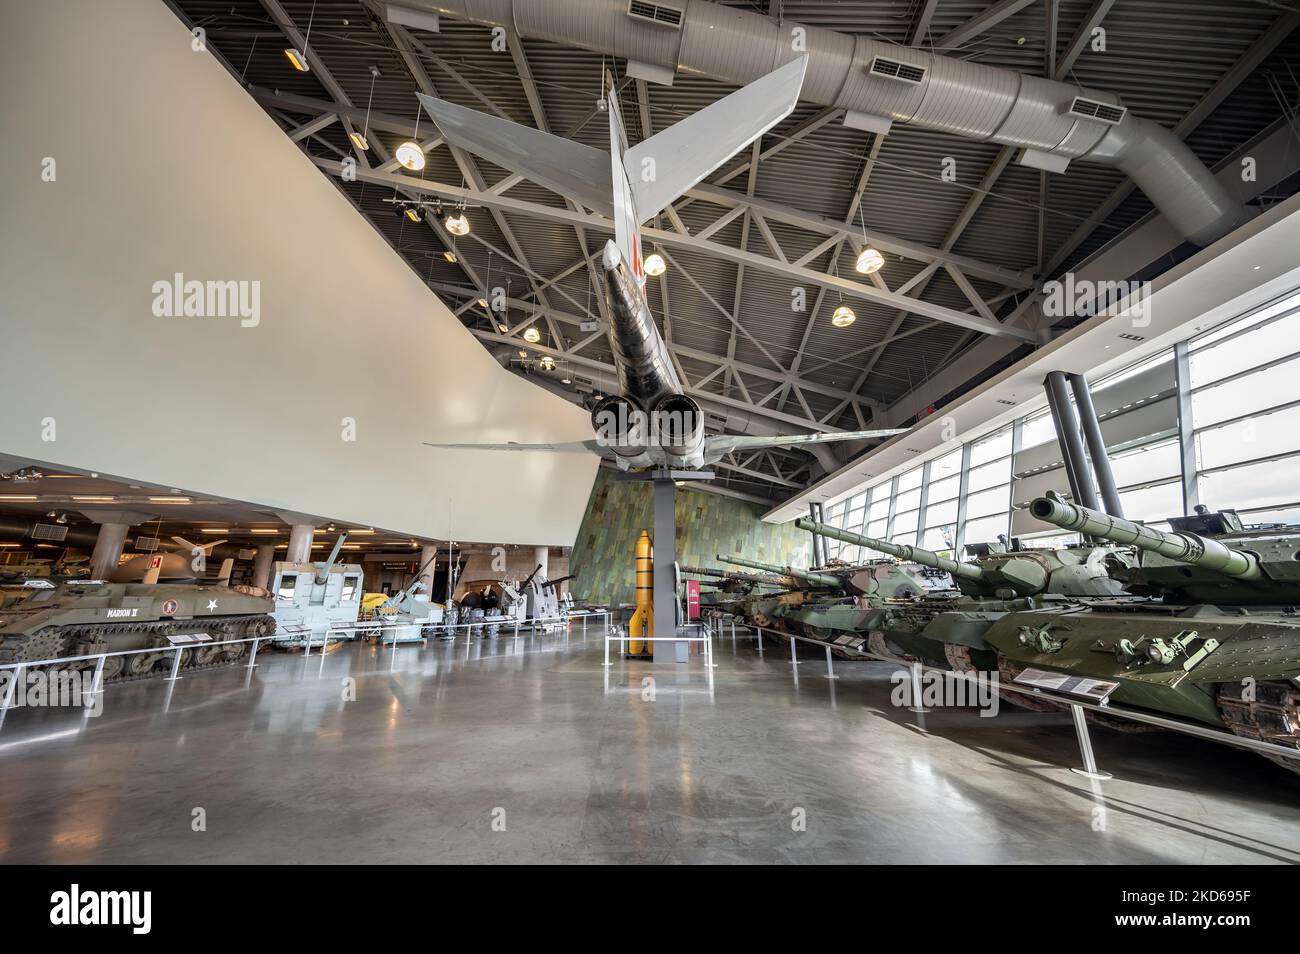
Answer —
(569, 168)
(565, 447)
(717, 447)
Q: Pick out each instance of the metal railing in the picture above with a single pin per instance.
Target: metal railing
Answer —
(1076, 706)
(705, 638)
(177, 651)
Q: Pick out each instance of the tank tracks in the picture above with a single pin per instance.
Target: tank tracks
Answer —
(55, 641)
(1268, 712)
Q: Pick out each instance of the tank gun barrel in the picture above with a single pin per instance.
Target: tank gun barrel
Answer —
(1188, 548)
(956, 568)
(804, 576)
(786, 582)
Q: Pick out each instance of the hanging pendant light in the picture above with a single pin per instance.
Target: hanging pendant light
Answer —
(409, 155)
(843, 316)
(456, 224)
(869, 261)
(654, 264)
(532, 335)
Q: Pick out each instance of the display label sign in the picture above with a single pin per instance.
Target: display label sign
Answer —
(1096, 689)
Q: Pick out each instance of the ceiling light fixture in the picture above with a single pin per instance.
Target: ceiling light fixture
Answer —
(412, 213)
(450, 256)
(843, 316)
(654, 264)
(504, 328)
(547, 363)
(455, 224)
(523, 353)
(869, 261)
(359, 140)
(169, 500)
(12, 498)
(482, 302)
(297, 60)
(93, 498)
(409, 155)
(531, 334)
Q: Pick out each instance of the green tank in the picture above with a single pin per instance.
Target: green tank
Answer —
(949, 629)
(1213, 638)
(837, 605)
(79, 618)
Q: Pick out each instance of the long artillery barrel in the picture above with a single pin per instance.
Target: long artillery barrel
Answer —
(1187, 548)
(956, 568)
(783, 581)
(558, 580)
(324, 573)
(804, 576)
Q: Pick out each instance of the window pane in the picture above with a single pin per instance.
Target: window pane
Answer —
(909, 500)
(989, 501)
(990, 475)
(905, 522)
(1254, 485)
(910, 479)
(1245, 348)
(945, 489)
(1147, 464)
(1262, 436)
(877, 529)
(1051, 541)
(1153, 503)
(991, 448)
(879, 509)
(858, 501)
(1287, 515)
(1037, 430)
(1255, 392)
(941, 513)
(945, 466)
(938, 539)
(854, 520)
(987, 529)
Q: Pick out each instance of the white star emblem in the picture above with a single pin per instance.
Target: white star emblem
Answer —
(212, 604)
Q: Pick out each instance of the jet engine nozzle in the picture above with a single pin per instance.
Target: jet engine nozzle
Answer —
(677, 427)
(620, 426)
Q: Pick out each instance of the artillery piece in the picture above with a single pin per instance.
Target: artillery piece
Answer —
(1215, 637)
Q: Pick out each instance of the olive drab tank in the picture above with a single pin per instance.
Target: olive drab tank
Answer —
(1215, 636)
(79, 618)
(948, 629)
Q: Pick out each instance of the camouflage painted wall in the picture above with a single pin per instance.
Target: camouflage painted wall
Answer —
(706, 525)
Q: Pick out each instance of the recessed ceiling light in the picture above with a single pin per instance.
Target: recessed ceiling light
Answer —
(93, 498)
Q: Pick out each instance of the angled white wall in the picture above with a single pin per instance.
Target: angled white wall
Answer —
(163, 165)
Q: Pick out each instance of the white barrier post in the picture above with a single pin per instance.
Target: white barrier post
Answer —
(760, 639)
(95, 683)
(252, 657)
(794, 655)
(830, 670)
(10, 690)
(176, 666)
(1089, 769)
(606, 649)
(916, 705)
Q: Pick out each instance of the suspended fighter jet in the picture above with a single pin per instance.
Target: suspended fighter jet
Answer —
(652, 423)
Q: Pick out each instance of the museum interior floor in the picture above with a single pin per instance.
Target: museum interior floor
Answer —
(527, 750)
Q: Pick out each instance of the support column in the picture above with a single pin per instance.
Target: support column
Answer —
(262, 565)
(114, 525)
(542, 555)
(108, 549)
(665, 571)
(1096, 445)
(300, 541)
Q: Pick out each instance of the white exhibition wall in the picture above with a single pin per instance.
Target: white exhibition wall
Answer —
(163, 164)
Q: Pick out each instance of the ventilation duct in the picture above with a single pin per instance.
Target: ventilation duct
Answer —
(955, 96)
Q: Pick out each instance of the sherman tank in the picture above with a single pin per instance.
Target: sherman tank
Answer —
(79, 618)
(1213, 638)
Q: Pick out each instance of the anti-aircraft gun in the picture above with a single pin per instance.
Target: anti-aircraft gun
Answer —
(1215, 637)
(404, 616)
(947, 629)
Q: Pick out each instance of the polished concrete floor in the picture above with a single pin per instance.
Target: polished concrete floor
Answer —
(445, 746)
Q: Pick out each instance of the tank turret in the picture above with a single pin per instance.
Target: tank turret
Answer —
(753, 579)
(1207, 557)
(1084, 571)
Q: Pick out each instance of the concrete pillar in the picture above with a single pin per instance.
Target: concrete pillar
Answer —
(542, 555)
(428, 555)
(262, 565)
(108, 549)
(300, 540)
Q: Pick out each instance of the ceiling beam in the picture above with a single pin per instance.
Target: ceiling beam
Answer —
(982, 23)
